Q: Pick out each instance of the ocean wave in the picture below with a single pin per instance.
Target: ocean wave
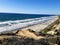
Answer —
(33, 20)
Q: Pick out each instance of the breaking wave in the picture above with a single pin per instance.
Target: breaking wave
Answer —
(26, 21)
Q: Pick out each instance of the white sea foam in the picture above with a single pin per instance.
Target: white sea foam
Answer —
(33, 20)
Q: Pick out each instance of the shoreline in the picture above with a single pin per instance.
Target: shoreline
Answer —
(35, 27)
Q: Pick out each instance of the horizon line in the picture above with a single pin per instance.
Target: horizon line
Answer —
(28, 13)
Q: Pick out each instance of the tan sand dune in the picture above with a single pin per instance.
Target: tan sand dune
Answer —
(27, 33)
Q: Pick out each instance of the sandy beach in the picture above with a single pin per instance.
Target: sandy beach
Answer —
(40, 27)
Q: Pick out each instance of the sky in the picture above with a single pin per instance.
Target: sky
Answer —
(30, 6)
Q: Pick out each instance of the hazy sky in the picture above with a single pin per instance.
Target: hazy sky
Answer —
(30, 6)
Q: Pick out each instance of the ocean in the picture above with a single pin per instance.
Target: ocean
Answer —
(16, 16)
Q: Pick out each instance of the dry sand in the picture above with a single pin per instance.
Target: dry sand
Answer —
(28, 34)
